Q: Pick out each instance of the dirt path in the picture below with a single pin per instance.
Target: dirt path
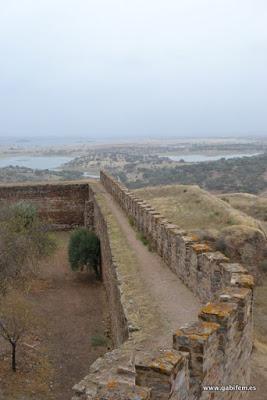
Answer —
(175, 301)
(71, 313)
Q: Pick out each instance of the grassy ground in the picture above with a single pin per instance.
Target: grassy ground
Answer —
(193, 208)
(71, 312)
(255, 206)
(211, 220)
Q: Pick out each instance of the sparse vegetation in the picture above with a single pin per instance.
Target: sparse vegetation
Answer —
(99, 340)
(131, 221)
(255, 206)
(15, 321)
(211, 220)
(143, 238)
(192, 208)
(23, 174)
(23, 242)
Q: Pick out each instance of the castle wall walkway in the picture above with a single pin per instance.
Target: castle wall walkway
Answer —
(174, 301)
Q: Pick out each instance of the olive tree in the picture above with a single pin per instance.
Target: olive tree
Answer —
(84, 251)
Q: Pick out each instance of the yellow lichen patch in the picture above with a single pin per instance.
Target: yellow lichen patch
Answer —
(191, 238)
(243, 280)
(112, 384)
(195, 238)
(165, 362)
(201, 248)
(200, 331)
(179, 333)
(209, 326)
(222, 310)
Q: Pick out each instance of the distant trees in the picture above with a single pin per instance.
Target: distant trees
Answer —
(84, 251)
(244, 174)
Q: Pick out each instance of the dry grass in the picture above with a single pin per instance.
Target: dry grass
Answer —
(211, 220)
(255, 206)
(193, 208)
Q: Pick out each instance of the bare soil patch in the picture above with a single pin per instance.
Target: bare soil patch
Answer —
(71, 315)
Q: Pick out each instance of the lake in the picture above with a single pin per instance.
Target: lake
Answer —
(53, 162)
(203, 157)
(37, 162)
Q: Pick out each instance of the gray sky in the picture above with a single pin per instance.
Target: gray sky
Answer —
(133, 67)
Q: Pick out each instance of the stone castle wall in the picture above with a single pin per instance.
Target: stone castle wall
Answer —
(60, 205)
(216, 349)
(96, 220)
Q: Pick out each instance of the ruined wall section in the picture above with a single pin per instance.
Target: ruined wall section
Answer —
(219, 344)
(61, 206)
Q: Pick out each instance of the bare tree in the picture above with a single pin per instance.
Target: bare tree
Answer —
(15, 320)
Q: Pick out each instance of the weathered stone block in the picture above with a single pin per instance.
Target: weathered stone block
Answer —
(158, 370)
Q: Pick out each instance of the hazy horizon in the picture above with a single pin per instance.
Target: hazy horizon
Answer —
(122, 69)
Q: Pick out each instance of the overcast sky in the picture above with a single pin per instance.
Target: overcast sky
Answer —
(133, 67)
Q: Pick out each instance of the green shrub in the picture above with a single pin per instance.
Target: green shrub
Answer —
(263, 265)
(220, 245)
(131, 221)
(143, 239)
(231, 221)
(24, 214)
(84, 250)
(99, 341)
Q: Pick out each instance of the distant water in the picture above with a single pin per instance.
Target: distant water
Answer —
(201, 157)
(34, 162)
(88, 175)
(46, 141)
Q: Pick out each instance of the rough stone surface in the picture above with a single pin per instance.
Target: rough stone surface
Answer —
(61, 206)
